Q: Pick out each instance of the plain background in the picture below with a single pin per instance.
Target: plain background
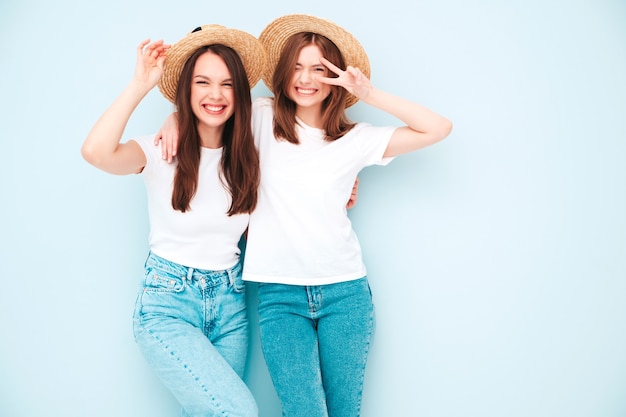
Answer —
(497, 257)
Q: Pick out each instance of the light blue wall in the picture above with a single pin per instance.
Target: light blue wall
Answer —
(497, 258)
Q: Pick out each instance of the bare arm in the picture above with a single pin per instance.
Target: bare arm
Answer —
(168, 136)
(102, 147)
(423, 126)
(353, 196)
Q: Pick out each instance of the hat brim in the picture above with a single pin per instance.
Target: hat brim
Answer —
(248, 47)
(276, 34)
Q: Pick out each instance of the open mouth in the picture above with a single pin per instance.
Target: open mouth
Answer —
(306, 91)
(212, 108)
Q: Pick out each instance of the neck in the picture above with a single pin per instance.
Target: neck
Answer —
(312, 116)
(210, 137)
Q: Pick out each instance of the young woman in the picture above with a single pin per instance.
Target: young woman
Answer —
(316, 314)
(190, 317)
(315, 306)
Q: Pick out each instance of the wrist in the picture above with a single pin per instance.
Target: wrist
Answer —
(140, 86)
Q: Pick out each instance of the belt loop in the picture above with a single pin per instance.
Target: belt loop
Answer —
(189, 274)
(231, 277)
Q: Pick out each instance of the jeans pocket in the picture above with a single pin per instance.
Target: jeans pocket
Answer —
(159, 280)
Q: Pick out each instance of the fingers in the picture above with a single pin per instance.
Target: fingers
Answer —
(141, 46)
(350, 78)
(331, 66)
(164, 151)
(168, 151)
(329, 81)
(168, 146)
(143, 43)
(172, 149)
(145, 50)
(355, 72)
(153, 50)
(351, 202)
(353, 196)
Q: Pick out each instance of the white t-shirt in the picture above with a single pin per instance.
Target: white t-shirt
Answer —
(204, 237)
(300, 232)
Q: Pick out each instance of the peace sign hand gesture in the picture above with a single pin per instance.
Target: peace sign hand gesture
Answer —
(352, 79)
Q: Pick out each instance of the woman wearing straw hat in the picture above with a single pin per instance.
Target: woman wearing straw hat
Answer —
(190, 318)
(316, 314)
(315, 306)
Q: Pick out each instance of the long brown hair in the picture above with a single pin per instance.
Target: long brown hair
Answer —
(239, 166)
(334, 119)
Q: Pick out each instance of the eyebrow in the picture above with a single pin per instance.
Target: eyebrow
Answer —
(320, 65)
(230, 79)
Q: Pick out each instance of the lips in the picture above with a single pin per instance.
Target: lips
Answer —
(212, 108)
(306, 91)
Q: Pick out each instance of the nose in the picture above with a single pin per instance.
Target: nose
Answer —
(306, 76)
(215, 90)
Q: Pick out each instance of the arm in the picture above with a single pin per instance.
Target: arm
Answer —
(353, 196)
(423, 126)
(102, 147)
(168, 136)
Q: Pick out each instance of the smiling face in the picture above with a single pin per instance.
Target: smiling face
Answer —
(212, 93)
(298, 91)
(304, 89)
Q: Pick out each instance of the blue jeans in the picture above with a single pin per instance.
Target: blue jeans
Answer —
(315, 341)
(192, 328)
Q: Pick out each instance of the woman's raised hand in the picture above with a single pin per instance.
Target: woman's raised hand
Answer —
(352, 79)
(150, 60)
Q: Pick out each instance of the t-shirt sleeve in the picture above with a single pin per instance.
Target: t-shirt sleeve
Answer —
(262, 119)
(372, 141)
(152, 152)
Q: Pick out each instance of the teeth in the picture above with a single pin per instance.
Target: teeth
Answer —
(306, 90)
(214, 108)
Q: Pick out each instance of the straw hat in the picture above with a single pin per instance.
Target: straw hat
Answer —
(247, 46)
(275, 35)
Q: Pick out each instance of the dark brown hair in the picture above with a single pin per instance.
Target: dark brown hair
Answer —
(334, 119)
(239, 166)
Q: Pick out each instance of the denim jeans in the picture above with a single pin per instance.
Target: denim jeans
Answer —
(191, 327)
(315, 341)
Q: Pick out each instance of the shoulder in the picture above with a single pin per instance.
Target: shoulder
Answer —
(369, 138)
(263, 109)
(263, 103)
(363, 129)
(146, 143)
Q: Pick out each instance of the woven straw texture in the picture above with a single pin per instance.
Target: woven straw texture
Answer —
(247, 46)
(275, 35)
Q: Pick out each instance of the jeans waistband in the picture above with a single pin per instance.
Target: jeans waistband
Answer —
(194, 274)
